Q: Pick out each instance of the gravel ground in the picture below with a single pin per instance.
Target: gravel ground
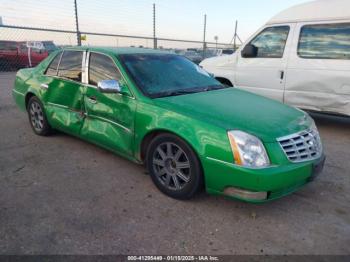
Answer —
(61, 195)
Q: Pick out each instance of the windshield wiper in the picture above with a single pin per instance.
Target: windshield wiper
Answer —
(178, 92)
(188, 91)
(215, 87)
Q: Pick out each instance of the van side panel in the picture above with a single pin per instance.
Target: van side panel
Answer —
(317, 84)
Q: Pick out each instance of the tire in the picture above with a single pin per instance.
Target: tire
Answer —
(225, 82)
(174, 167)
(37, 117)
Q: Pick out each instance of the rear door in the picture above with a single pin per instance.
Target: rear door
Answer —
(109, 117)
(63, 91)
(319, 67)
(265, 73)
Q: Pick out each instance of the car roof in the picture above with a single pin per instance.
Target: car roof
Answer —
(320, 10)
(118, 50)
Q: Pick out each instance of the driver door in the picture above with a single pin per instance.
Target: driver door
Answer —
(109, 118)
(265, 74)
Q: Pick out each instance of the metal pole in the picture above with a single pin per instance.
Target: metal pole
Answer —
(154, 27)
(77, 23)
(234, 41)
(205, 30)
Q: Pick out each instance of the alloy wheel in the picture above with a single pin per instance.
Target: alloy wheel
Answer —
(36, 116)
(171, 165)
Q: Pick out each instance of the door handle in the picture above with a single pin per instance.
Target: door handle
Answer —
(281, 74)
(92, 99)
(44, 86)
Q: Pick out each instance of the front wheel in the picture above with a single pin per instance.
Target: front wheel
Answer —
(37, 117)
(174, 167)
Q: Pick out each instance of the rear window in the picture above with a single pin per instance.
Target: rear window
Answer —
(71, 65)
(52, 68)
(8, 45)
(328, 41)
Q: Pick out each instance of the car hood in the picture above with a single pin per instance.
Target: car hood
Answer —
(234, 109)
(217, 61)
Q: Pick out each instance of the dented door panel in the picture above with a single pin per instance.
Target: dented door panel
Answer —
(317, 84)
(109, 120)
(64, 105)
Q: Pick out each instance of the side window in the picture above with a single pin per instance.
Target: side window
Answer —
(102, 67)
(70, 65)
(331, 41)
(52, 68)
(271, 41)
(23, 47)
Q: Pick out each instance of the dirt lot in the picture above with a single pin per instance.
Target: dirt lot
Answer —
(60, 195)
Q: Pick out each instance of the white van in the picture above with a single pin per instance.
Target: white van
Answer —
(300, 57)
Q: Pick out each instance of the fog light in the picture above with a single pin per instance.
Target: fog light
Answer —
(245, 194)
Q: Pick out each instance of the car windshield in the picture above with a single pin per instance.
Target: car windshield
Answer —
(159, 75)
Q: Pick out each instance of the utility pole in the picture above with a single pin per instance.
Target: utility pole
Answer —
(205, 30)
(154, 27)
(77, 23)
(235, 36)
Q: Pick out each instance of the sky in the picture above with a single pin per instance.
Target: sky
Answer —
(179, 19)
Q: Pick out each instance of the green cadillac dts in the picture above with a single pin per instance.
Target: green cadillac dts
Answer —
(162, 110)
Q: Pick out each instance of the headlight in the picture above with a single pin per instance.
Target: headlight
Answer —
(248, 150)
(316, 134)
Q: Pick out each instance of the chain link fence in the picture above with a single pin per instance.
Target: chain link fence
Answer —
(26, 37)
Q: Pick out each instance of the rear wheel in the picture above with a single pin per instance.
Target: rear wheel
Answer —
(37, 117)
(174, 167)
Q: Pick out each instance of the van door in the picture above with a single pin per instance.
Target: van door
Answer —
(264, 74)
(319, 67)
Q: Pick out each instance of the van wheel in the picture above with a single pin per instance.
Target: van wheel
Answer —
(174, 167)
(224, 81)
(37, 118)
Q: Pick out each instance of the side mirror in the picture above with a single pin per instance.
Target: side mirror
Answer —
(109, 86)
(249, 51)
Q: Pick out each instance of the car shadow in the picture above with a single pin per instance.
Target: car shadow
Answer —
(330, 120)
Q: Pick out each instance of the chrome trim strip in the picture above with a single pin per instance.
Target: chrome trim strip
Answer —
(220, 161)
(245, 194)
(59, 62)
(83, 68)
(19, 93)
(57, 105)
(235, 165)
(109, 121)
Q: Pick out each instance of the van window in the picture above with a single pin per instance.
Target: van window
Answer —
(70, 65)
(331, 41)
(271, 41)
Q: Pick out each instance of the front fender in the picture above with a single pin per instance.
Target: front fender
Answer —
(205, 139)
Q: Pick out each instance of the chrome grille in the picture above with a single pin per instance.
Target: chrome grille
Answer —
(302, 146)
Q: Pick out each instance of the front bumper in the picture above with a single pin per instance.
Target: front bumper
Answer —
(258, 185)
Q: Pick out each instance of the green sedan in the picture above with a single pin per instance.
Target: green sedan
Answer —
(162, 110)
